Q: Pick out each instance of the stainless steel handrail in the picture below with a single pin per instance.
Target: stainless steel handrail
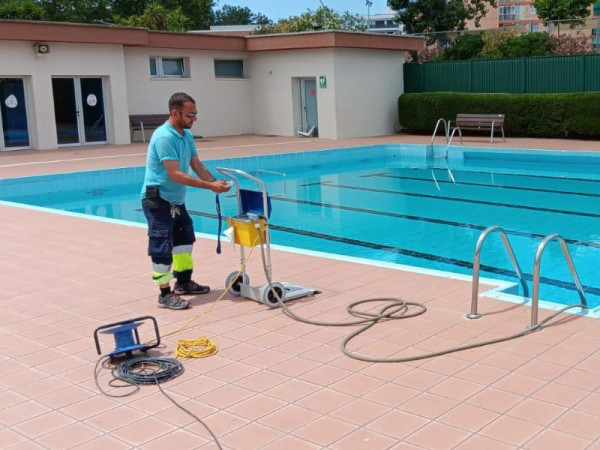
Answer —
(447, 133)
(446, 130)
(536, 274)
(450, 139)
(476, 263)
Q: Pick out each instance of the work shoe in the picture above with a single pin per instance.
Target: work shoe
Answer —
(191, 288)
(172, 301)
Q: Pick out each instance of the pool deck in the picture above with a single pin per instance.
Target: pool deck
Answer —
(275, 383)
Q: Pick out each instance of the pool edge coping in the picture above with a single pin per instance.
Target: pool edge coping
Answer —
(496, 293)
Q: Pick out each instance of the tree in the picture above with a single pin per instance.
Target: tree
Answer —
(181, 15)
(465, 46)
(527, 45)
(170, 15)
(323, 18)
(233, 15)
(238, 15)
(570, 44)
(429, 16)
(555, 10)
(127, 8)
(77, 11)
(157, 17)
(261, 19)
(199, 12)
(21, 10)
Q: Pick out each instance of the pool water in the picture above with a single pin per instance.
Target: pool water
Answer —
(394, 204)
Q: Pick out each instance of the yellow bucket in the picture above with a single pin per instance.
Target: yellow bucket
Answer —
(245, 232)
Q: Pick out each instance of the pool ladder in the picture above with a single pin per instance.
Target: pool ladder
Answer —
(449, 135)
(536, 271)
(446, 134)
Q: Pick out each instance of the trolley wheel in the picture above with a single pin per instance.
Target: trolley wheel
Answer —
(268, 297)
(235, 285)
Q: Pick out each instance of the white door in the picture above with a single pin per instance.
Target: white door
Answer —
(308, 104)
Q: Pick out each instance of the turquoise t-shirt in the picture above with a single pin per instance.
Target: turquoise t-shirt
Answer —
(167, 144)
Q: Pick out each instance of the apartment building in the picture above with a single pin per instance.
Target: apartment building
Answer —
(510, 13)
(522, 16)
(383, 23)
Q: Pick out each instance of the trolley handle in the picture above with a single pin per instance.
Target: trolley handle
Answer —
(231, 173)
(283, 175)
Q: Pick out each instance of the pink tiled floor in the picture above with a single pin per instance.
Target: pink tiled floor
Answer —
(275, 383)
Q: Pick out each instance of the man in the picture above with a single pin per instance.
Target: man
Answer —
(171, 153)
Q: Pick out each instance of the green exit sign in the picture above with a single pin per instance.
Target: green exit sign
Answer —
(322, 81)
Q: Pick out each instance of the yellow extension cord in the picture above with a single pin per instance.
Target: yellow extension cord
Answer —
(195, 348)
(202, 347)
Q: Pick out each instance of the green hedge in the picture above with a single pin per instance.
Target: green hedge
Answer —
(532, 115)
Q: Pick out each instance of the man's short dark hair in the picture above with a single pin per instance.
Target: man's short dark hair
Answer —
(178, 99)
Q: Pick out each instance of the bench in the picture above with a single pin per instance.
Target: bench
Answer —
(479, 122)
(143, 122)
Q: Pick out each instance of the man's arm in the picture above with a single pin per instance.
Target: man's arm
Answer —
(177, 175)
(201, 170)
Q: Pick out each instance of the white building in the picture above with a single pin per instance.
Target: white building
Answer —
(68, 84)
(383, 23)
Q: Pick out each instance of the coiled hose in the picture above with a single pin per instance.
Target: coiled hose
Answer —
(394, 308)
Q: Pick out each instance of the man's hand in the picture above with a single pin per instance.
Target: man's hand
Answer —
(219, 186)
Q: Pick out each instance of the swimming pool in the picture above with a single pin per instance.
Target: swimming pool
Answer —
(390, 203)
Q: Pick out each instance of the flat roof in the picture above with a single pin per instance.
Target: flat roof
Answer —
(328, 38)
(36, 31)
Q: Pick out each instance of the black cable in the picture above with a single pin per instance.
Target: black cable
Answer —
(146, 370)
(193, 415)
(103, 363)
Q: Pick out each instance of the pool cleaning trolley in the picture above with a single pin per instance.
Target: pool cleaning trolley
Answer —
(254, 210)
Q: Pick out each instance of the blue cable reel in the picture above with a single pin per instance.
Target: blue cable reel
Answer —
(127, 339)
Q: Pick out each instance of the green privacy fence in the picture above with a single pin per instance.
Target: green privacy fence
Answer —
(551, 74)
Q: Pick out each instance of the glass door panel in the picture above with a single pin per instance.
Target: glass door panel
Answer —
(13, 113)
(93, 110)
(65, 111)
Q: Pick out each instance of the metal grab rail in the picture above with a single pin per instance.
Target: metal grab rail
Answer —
(283, 194)
(446, 130)
(450, 138)
(536, 274)
(476, 263)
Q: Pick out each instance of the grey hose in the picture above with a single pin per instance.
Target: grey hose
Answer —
(394, 310)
